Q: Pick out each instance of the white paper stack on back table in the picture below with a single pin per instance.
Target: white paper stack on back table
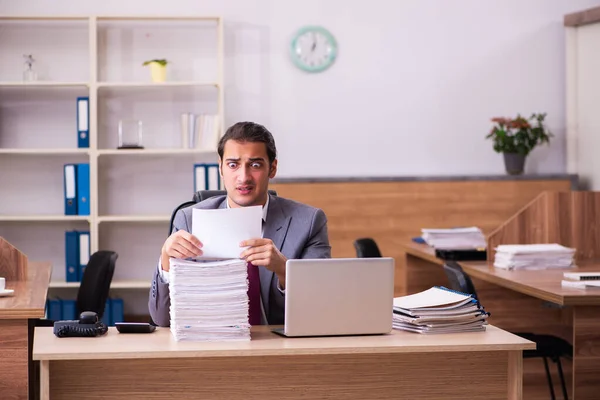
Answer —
(438, 310)
(454, 238)
(209, 300)
(533, 256)
(581, 280)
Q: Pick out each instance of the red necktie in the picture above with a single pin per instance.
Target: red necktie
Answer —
(253, 295)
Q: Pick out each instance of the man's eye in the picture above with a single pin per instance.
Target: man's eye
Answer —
(255, 165)
(232, 165)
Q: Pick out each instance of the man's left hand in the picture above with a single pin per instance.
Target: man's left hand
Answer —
(263, 252)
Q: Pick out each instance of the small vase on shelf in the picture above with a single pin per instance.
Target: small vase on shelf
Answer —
(29, 75)
(158, 70)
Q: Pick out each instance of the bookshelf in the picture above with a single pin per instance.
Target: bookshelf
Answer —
(133, 191)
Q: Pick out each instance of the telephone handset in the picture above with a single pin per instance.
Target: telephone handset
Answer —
(88, 325)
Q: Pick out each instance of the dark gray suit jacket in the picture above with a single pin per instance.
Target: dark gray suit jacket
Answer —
(298, 231)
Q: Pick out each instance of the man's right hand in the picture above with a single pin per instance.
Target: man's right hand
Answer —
(180, 244)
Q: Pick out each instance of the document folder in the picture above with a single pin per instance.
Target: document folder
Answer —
(83, 122)
(72, 256)
(107, 316)
(116, 307)
(200, 177)
(70, 189)
(83, 189)
(213, 177)
(84, 252)
(69, 309)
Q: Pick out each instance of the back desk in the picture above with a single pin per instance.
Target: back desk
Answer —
(479, 365)
(528, 301)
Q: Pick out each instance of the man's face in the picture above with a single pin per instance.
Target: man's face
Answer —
(246, 173)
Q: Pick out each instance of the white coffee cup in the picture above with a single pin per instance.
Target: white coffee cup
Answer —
(2, 284)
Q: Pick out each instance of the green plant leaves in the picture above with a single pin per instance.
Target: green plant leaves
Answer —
(162, 62)
(519, 135)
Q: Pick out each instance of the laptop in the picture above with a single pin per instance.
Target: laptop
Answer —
(338, 296)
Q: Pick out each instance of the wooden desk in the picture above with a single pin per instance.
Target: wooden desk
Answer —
(480, 365)
(519, 301)
(29, 301)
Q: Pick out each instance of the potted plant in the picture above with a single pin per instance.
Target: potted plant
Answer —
(516, 138)
(158, 69)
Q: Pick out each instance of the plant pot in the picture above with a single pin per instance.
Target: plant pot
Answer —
(514, 163)
(158, 72)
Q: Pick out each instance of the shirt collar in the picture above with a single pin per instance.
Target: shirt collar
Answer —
(265, 208)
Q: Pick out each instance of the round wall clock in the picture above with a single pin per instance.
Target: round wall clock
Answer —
(313, 49)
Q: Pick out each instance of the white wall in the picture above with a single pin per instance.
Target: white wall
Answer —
(413, 88)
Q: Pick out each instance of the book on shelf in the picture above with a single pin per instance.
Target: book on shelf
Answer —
(439, 310)
(199, 131)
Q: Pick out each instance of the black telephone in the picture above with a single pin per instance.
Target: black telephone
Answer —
(87, 326)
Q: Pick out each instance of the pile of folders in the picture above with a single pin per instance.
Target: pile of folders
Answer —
(439, 310)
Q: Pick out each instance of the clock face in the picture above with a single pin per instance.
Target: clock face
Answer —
(313, 49)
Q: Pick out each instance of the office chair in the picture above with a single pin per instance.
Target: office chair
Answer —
(197, 197)
(91, 296)
(547, 346)
(366, 248)
(95, 283)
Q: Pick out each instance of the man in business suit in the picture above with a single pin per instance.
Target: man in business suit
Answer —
(247, 160)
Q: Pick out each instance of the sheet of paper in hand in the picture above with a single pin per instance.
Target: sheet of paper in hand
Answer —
(222, 230)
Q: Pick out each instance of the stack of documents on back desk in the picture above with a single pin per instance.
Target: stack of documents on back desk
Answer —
(209, 300)
(533, 256)
(438, 310)
(455, 238)
(581, 280)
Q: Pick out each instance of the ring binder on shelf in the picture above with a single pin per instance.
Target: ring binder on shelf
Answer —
(83, 189)
(70, 189)
(83, 122)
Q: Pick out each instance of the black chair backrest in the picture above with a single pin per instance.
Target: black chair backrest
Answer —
(458, 279)
(366, 248)
(95, 283)
(199, 196)
(202, 195)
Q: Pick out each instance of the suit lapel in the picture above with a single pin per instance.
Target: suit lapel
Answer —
(276, 227)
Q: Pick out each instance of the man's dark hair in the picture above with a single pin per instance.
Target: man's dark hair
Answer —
(249, 132)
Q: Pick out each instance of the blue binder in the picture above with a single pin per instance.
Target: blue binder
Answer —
(84, 252)
(107, 316)
(72, 256)
(54, 310)
(83, 189)
(69, 310)
(70, 189)
(200, 177)
(83, 122)
(116, 307)
(213, 177)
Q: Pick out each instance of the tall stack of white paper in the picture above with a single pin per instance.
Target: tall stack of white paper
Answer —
(209, 300)
(454, 238)
(533, 256)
